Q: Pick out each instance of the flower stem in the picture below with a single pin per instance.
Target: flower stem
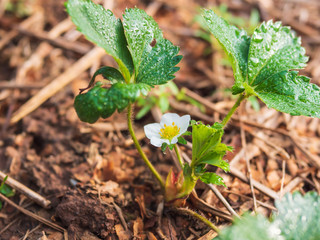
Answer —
(142, 154)
(233, 109)
(201, 218)
(178, 155)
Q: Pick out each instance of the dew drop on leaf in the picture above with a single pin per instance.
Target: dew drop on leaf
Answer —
(255, 61)
(257, 38)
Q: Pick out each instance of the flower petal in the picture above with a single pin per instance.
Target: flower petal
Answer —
(174, 140)
(152, 130)
(169, 118)
(157, 142)
(183, 123)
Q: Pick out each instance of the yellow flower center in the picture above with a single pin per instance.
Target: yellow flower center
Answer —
(169, 132)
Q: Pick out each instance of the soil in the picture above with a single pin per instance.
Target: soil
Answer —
(96, 181)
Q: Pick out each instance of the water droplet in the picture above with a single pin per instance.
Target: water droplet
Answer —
(255, 61)
(257, 38)
(277, 26)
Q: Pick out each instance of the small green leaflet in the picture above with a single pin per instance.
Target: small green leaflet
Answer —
(154, 57)
(213, 178)
(102, 102)
(181, 140)
(235, 43)
(6, 190)
(164, 147)
(204, 139)
(101, 27)
(214, 157)
(263, 65)
(208, 149)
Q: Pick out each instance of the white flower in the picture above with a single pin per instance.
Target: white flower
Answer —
(168, 130)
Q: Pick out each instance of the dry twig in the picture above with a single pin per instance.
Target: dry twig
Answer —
(57, 84)
(26, 191)
(35, 216)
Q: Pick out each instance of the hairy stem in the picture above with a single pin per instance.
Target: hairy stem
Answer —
(233, 109)
(142, 154)
(178, 155)
(198, 216)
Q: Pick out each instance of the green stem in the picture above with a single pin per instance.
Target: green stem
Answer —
(233, 109)
(178, 155)
(142, 154)
(201, 218)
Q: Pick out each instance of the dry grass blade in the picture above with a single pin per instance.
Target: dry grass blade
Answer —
(262, 188)
(244, 145)
(26, 191)
(223, 200)
(9, 225)
(59, 42)
(202, 205)
(35, 216)
(58, 83)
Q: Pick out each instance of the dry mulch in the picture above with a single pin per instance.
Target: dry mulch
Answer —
(94, 178)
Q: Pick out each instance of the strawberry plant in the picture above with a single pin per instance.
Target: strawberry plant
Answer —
(264, 66)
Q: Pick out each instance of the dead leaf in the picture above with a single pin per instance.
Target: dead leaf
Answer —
(151, 236)
(15, 164)
(138, 229)
(121, 233)
(110, 187)
(55, 236)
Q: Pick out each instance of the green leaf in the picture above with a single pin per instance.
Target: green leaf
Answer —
(204, 139)
(263, 66)
(210, 177)
(153, 56)
(234, 41)
(101, 27)
(5, 189)
(181, 140)
(164, 147)
(298, 216)
(250, 228)
(171, 146)
(199, 170)
(273, 49)
(214, 157)
(102, 102)
(2, 183)
(109, 73)
(290, 93)
(187, 133)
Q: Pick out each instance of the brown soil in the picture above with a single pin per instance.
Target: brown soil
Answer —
(97, 183)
